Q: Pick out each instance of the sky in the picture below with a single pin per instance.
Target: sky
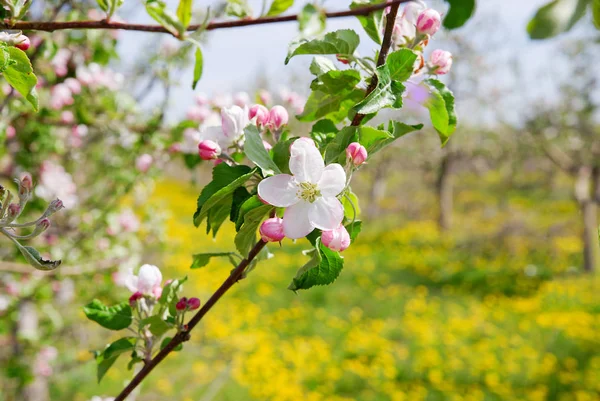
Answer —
(234, 58)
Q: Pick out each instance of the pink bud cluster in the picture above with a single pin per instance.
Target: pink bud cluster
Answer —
(187, 304)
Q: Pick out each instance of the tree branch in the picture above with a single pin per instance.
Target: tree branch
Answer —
(51, 26)
(385, 48)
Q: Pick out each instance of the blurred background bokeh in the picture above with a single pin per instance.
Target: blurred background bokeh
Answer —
(475, 277)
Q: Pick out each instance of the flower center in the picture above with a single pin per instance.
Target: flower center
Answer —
(308, 191)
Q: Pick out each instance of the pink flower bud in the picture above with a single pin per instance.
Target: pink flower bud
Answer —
(14, 210)
(26, 181)
(208, 150)
(267, 145)
(429, 22)
(441, 62)
(193, 303)
(134, 298)
(271, 230)
(356, 153)
(143, 163)
(24, 44)
(181, 305)
(342, 59)
(265, 97)
(201, 99)
(67, 117)
(336, 240)
(278, 116)
(44, 224)
(261, 113)
(11, 132)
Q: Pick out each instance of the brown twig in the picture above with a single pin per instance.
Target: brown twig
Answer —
(51, 26)
(385, 48)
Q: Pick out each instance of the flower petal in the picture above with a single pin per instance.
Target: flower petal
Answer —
(215, 134)
(326, 213)
(295, 220)
(279, 190)
(332, 181)
(149, 277)
(131, 281)
(306, 162)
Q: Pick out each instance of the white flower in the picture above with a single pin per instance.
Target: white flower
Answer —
(147, 281)
(55, 182)
(309, 194)
(231, 132)
(405, 27)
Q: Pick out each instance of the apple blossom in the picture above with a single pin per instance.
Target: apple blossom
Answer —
(261, 113)
(267, 145)
(181, 305)
(309, 195)
(74, 85)
(271, 230)
(440, 62)
(143, 163)
(265, 97)
(147, 281)
(356, 153)
(336, 240)
(202, 99)
(54, 183)
(429, 22)
(135, 297)
(241, 99)
(233, 121)
(278, 117)
(198, 113)
(27, 181)
(208, 149)
(24, 43)
(67, 117)
(405, 25)
(193, 303)
(11, 132)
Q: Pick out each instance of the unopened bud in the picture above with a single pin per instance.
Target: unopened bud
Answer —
(181, 305)
(27, 182)
(261, 113)
(24, 43)
(336, 240)
(135, 297)
(278, 117)
(13, 211)
(193, 303)
(271, 230)
(356, 153)
(44, 224)
(208, 150)
(342, 59)
(429, 22)
(440, 62)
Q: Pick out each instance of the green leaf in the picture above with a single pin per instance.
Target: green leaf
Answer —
(19, 74)
(171, 290)
(109, 6)
(202, 259)
(387, 93)
(255, 151)
(312, 20)
(108, 357)
(281, 154)
(373, 24)
(240, 196)
(226, 179)
(337, 81)
(166, 341)
(238, 8)
(157, 9)
(116, 317)
(279, 6)
(33, 257)
(371, 138)
(351, 206)
(246, 237)
(441, 109)
(198, 67)
(323, 268)
(321, 65)
(460, 11)
(250, 204)
(184, 12)
(401, 64)
(323, 132)
(354, 229)
(158, 326)
(344, 41)
(556, 17)
(596, 12)
(219, 213)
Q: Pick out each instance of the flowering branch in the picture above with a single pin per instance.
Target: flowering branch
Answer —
(237, 273)
(52, 26)
(184, 335)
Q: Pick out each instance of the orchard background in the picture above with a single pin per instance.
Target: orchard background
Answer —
(475, 275)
